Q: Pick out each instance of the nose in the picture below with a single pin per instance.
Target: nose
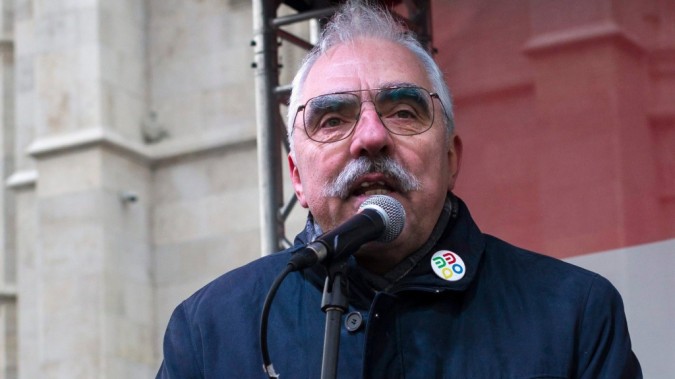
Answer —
(370, 137)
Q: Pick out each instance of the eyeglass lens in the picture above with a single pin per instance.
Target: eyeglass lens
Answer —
(403, 110)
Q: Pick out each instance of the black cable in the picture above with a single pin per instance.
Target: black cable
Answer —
(267, 362)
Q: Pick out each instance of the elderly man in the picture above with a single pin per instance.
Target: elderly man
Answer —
(370, 114)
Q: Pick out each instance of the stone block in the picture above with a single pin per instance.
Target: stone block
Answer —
(127, 255)
(71, 231)
(214, 215)
(120, 368)
(128, 298)
(135, 344)
(225, 170)
(57, 31)
(74, 172)
(70, 319)
(67, 91)
(217, 94)
(205, 259)
(122, 172)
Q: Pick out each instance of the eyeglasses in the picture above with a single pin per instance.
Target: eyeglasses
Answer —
(403, 111)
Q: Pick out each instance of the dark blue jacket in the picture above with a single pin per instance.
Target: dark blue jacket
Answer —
(514, 314)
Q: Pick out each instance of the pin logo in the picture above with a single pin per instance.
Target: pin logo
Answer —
(448, 265)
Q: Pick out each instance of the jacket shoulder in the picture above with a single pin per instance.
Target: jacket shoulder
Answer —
(538, 271)
(503, 253)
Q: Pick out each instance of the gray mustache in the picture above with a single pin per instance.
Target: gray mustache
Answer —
(403, 180)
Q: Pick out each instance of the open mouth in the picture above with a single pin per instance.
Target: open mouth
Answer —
(369, 188)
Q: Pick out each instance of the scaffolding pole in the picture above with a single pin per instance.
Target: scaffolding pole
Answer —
(267, 117)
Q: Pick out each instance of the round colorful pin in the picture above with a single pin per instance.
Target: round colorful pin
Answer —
(448, 265)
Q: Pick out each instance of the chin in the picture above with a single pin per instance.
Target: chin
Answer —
(381, 251)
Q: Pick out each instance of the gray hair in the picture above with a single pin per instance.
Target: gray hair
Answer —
(357, 19)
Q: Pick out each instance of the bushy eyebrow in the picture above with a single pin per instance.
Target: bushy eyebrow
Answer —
(382, 85)
(330, 100)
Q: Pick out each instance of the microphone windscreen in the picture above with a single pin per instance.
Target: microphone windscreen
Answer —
(391, 211)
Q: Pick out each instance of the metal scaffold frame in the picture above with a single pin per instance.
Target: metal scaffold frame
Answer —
(270, 95)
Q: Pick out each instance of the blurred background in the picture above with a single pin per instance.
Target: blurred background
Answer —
(131, 169)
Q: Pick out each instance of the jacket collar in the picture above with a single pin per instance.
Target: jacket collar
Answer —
(458, 234)
(461, 237)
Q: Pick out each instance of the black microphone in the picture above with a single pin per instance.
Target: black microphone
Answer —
(380, 218)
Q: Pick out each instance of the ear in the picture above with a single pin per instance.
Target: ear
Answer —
(454, 159)
(297, 181)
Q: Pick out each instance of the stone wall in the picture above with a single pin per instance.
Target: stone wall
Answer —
(128, 153)
(8, 298)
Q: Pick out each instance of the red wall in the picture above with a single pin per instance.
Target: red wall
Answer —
(567, 112)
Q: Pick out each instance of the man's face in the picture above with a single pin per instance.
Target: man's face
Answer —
(432, 157)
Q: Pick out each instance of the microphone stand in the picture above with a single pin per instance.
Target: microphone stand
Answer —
(334, 303)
